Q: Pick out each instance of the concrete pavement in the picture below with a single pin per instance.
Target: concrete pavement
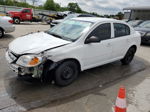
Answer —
(103, 99)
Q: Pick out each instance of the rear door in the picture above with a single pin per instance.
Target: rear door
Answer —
(121, 40)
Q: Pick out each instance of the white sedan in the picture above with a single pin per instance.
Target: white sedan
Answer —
(6, 25)
(74, 45)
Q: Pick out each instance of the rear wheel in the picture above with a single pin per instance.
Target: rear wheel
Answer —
(66, 73)
(16, 20)
(129, 56)
(1, 33)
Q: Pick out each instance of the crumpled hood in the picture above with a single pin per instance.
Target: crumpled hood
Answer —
(35, 43)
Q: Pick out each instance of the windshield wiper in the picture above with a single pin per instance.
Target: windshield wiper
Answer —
(56, 35)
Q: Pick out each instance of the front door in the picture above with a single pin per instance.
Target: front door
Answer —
(96, 54)
(26, 14)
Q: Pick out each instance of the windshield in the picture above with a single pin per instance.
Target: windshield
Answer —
(70, 16)
(70, 29)
(134, 22)
(145, 24)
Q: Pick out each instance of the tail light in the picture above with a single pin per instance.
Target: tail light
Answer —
(11, 21)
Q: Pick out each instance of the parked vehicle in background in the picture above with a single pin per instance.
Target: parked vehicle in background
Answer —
(55, 22)
(144, 29)
(25, 14)
(74, 45)
(125, 20)
(135, 23)
(6, 25)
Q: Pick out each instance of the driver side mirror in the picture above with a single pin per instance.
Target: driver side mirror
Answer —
(92, 39)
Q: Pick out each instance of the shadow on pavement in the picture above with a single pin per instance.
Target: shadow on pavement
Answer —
(35, 95)
(5, 40)
(7, 37)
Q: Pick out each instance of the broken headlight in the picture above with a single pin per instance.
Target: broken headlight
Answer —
(29, 60)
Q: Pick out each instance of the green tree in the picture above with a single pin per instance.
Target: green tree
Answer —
(74, 7)
(9, 2)
(50, 5)
(57, 7)
(2, 2)
(120, 15)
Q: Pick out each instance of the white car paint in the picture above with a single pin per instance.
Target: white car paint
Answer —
(5, 25)
(88, 55)
(35, 43)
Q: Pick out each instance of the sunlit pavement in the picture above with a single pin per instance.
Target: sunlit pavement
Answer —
(94, 91)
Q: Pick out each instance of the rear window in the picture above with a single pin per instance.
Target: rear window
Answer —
(121, 30)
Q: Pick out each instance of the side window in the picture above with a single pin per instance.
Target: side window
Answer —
(103, 31)
(121, 30)
(26, 11)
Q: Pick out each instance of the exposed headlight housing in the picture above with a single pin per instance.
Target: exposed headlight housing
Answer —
(29, 60)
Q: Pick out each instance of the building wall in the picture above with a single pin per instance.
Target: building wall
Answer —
(126, 15)
(138, 14)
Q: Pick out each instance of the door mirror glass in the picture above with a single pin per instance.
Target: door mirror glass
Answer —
(92, 39)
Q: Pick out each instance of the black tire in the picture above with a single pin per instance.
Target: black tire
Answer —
(129, 56)
(66, 73)
(16, 20)
(1, 33)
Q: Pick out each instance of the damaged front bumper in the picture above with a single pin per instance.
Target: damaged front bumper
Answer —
(35, 72)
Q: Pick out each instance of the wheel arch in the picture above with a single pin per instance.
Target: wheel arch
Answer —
(133, 46)
(2, 28)
(16, 17)
(74, 60)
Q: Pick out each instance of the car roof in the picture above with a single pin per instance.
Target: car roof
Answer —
(94, 19)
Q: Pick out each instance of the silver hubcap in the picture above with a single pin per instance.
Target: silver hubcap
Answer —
(16, 21)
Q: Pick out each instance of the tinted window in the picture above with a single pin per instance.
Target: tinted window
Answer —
(26, 11)
(121, 30)
(103, 31)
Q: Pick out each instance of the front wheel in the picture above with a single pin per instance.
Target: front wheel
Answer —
(129, 56)
(66, 73)
(1, 33)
